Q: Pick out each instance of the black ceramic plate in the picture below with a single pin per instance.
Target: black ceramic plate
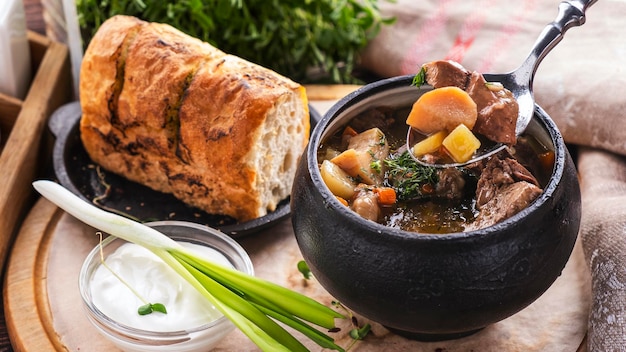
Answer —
(75, 171)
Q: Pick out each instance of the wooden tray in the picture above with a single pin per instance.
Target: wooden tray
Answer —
(44, 313)
(25, 150)
(43, 310)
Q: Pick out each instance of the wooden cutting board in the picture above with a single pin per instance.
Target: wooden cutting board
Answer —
(43, 310)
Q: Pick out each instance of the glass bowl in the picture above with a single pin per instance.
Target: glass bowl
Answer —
(131, 338)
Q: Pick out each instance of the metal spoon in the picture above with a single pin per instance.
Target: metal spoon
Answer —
(520, 81)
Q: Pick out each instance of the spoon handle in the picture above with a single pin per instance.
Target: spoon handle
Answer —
(571, 13)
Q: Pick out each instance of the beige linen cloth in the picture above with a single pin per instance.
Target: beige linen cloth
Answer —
(580, 84)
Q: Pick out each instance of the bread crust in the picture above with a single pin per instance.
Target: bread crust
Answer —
(175, 114)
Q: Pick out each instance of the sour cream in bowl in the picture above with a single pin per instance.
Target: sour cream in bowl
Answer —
(192, 323)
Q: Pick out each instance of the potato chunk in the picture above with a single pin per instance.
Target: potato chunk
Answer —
(338, 181)
(461, 144)
(442, 109)
(429, 144)
(363, 158)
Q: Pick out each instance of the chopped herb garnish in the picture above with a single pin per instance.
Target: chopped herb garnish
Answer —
(376, 165)
(409, 177)
(420, 78)
(382, 140)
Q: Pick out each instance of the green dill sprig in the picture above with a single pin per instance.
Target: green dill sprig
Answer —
(409, 178)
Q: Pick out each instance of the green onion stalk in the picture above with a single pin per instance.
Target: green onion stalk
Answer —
(254, 305)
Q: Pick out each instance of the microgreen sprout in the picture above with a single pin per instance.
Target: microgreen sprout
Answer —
(151, 307)
(303, 268)
(144, 309)
(358, 332)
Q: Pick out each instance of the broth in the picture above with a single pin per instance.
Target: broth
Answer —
(425, 210)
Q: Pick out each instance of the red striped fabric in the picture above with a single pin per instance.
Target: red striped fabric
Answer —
(434, 26)
(429, 33)
(503, 41)
(469, 31)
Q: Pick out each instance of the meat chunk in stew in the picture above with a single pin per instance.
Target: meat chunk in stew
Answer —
(446, 74)
(497, 110)
(504, 188)
(500, 171)
(366, 204)
(508, 201)
(451, 184)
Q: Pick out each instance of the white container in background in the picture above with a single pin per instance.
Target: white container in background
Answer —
(15, 66)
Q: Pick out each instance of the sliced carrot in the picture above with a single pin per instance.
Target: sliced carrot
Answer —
(342, 201)
(349, 161)
(386, 195)
(443, 109)
(349, 131)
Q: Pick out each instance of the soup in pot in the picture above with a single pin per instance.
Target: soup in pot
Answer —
(367, 166)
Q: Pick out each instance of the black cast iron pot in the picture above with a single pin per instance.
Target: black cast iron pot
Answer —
(433, 287)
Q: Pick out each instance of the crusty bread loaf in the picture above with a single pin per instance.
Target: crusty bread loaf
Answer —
(175, 114)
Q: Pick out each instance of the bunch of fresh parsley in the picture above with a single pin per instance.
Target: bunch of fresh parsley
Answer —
(306, 40)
